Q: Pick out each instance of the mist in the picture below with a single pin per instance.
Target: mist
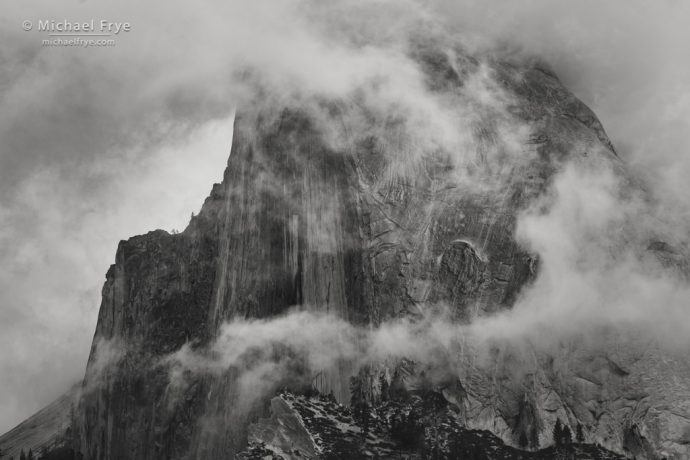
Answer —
(100, 144)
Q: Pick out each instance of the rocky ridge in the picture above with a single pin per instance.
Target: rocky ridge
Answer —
(420, 425)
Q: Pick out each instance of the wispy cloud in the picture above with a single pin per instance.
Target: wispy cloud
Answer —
(92, 139)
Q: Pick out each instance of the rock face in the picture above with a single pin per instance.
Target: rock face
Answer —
(45, 430)
(419, 426)
(299, 221)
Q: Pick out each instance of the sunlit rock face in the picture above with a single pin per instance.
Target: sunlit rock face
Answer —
(368, 225)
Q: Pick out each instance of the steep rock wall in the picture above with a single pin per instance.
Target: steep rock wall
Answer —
(298, 222)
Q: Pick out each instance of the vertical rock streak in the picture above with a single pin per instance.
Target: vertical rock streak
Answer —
(297, 224)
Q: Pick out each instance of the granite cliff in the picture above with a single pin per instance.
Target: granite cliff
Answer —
(369, 227)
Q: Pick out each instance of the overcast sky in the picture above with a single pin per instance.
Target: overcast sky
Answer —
(98, 144)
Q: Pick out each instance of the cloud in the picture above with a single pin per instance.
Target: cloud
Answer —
(292, 348)
(56, 242)
(600, 266)
(600, 282)
(604, 277)
(99, 144)
(624, 59)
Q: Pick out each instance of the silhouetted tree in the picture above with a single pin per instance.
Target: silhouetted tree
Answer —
(579, 434)
(558, 432)
(310, 391)
(478, 453)
(22, 455)
(528, 421)
(456, 448)
(365, 418)
(61, 453)
(523, 442)
(30, 456)
(356, 391)
(406, 431)
(360, 408)
(385, 388)
(567, 437)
